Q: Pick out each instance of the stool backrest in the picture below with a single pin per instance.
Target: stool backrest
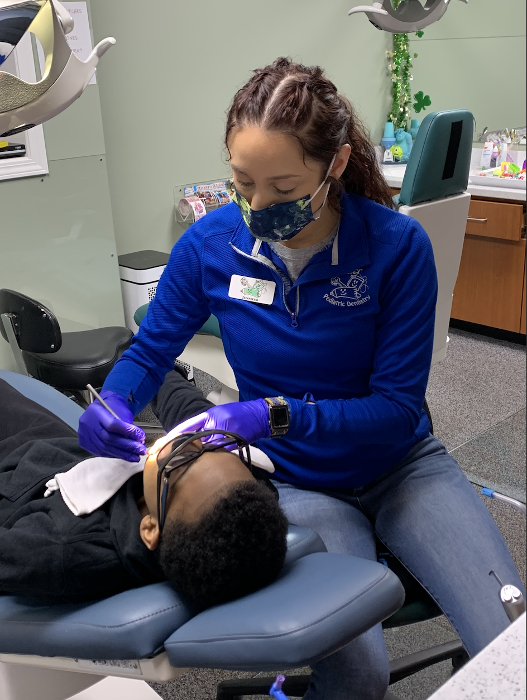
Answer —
(439, 163)
(36, 327)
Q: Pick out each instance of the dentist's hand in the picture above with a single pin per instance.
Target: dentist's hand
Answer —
(103, 435)
(249, 419)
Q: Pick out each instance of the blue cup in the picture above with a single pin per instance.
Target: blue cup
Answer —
(389, 131)
(414, 128)
(387, 143)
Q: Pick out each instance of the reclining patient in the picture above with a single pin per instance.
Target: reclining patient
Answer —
(222, 533)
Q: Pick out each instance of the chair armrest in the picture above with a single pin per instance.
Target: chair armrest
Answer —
(45, 395)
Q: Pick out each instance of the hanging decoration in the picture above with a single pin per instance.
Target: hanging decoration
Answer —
(400, 69)
(422, 101)
(400, 65)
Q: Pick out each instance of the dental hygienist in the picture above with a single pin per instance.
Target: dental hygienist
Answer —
(325, 298)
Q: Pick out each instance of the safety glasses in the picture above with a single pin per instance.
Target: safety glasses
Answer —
(176, 456)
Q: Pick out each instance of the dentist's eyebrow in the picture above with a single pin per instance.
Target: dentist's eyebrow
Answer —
(273, 178)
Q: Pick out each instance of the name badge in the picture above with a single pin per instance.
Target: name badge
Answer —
(252, 289)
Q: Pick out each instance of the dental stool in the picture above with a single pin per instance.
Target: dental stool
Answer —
(66, 361)
(319, 603)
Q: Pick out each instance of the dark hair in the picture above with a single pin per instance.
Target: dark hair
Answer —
(237, 547)
(300, 101)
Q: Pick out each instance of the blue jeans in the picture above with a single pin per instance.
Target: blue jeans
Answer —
(429, 515)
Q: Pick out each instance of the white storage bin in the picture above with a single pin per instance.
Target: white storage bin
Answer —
(139, 273)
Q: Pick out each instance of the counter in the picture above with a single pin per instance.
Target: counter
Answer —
(394, 175)
(496, 673)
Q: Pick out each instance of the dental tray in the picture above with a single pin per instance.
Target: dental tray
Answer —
(504, 182)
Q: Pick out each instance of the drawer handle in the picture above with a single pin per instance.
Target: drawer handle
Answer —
(479, 221)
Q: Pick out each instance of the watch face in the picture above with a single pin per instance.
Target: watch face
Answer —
(280, 417)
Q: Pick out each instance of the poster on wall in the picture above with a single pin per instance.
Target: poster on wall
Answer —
(79, 40)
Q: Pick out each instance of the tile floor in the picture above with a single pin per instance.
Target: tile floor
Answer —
(477, 399)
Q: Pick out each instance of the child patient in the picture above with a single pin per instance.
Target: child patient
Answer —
(222, 535)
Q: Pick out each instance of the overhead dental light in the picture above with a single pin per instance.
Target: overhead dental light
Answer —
(410, 15)
(24, 105)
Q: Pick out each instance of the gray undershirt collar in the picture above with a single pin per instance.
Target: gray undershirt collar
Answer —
(296, 259)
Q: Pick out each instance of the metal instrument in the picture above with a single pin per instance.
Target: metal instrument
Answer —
(410, 15)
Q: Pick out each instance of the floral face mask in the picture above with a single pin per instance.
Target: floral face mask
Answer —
(282, 221)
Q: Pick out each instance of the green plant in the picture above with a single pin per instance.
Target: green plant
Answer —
(400, 67)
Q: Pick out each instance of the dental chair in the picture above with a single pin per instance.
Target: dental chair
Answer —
(66, 361)
(107, 649)
(434, 193)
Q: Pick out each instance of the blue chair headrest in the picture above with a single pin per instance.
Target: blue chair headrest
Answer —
(439, 164)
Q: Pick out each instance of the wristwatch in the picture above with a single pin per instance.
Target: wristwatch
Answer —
(279, 417)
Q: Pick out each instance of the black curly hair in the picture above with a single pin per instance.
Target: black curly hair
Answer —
(237, 547)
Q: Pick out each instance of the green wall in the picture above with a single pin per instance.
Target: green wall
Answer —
(166, 85)
(475, 58)
(169, 80)
(164, 89)
(56, 232)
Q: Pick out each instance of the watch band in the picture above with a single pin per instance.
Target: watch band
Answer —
(279, 416)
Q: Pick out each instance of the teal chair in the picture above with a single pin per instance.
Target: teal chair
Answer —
(205, 351)
(434, 193)
(210, 327)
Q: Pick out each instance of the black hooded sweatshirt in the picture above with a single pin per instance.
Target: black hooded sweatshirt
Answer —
(46, 552)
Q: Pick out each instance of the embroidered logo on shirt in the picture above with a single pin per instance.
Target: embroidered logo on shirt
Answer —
(350, 291)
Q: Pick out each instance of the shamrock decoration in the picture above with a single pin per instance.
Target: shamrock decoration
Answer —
(420, 33)
(422, 101)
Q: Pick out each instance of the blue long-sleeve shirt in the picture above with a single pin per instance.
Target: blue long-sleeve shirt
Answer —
(349, 344)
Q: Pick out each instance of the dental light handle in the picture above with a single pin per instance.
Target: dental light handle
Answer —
(511, 598)
(505, 499)
(101, 48)
(65, 19)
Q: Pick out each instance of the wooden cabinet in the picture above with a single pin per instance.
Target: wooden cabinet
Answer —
(489, 219)
(490, 288)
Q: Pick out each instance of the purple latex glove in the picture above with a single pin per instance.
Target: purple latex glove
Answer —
(250, 419)
(105, 436)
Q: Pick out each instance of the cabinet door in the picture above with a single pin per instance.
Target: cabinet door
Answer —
(490, 283)
(495, 220)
